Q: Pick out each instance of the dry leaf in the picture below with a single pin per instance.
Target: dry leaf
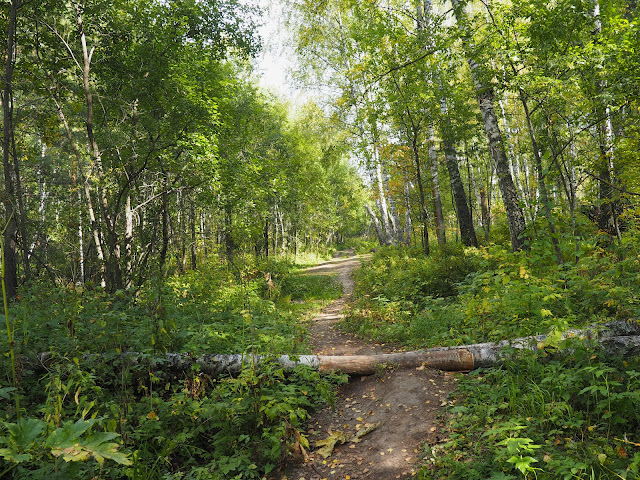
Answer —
(329, 443)
(357, 438)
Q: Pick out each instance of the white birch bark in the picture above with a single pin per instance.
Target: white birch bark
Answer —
(485, 97)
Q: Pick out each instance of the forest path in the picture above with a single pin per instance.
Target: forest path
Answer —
(404, 403)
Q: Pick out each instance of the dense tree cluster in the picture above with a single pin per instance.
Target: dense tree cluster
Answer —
(135, 141)
(530, 102)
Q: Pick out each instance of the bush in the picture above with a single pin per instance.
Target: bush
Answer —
(137, 421)
(571, 417)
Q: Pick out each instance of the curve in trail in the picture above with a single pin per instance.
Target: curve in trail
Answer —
(403, 403)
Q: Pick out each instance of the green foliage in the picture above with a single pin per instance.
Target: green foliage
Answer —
(304, 287)
(242, 426)
(31, 441)
(209, 310)
(398, 283)
(569, 417)
(113, 419)
(460, 297)
(544, 414)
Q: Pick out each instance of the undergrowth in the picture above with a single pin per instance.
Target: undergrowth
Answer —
(457, 296)
(113, 419)
(567, 417)
(540, 415)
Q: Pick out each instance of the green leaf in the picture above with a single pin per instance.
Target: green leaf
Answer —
(522, 463)
(22, 438)
(23, 434)
(6, 391)
(13, 456)
(67, 435)
(68, 442)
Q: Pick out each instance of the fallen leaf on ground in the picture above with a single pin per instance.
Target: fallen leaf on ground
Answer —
(357, 438)
(329, 443)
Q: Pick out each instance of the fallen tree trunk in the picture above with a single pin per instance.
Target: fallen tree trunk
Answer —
(614, 338)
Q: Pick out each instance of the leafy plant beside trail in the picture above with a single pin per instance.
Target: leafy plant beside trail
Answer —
(457, 296)
(544, 414)
(570, 417)
(152, 424)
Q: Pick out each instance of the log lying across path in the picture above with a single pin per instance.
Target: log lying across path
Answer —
(621, 337)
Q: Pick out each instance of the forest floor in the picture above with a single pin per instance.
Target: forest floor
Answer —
(402, 407)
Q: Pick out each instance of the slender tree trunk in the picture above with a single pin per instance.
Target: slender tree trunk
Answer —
(229, 245)
(607, 205)
(114, 273)
(376, 224)
(81, 259)
(192, 221)
(128, 242)
(485, 97)
(284, 234)
(465, 221)
(22, 214)
(542, 184)
(382, 202)
(486, 218)
(423, 207)
(276, 231)
(10, 228)
(204, 237)
(407, 214)
(180, 233)
(435, 187)
(265, 236)
(165, 223)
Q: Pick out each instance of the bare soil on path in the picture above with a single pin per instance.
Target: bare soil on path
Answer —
(402, 404)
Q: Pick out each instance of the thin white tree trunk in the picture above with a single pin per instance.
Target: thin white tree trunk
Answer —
(382, 201)
(128, 242)
(435, 183)
(407, 213)
(485, 97)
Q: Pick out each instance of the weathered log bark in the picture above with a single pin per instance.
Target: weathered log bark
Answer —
(616, 338)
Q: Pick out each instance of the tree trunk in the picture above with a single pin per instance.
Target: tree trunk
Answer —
(382, 202)
(423, 208)
(192, 221)
(485, 96)
(616, 338)
(465, 221)
(22, 214)
(165, 223)
(486, 217)
(407, 213)
(376, 224)
(229, 245)
(10, 228)
(265, 237)
(435, 188)
(128, 242)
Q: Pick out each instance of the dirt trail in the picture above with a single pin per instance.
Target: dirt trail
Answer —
(404, 403)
